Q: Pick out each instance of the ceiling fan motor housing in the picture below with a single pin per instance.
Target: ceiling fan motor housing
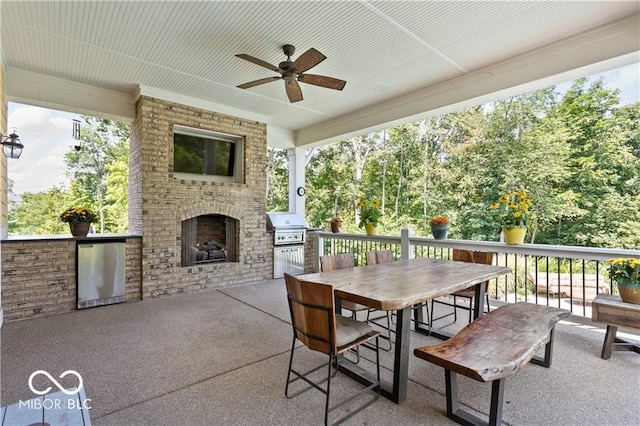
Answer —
(288, 49)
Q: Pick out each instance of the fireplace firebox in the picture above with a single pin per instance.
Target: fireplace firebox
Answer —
(209, 238)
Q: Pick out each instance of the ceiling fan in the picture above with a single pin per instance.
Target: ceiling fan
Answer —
(293, 72)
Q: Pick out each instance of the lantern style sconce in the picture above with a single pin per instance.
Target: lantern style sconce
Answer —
(11, 145)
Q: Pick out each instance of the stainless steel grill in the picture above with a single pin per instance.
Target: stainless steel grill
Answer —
(289, 234)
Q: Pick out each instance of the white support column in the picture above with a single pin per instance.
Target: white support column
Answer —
(297, 162)
(406, 248)
(319, 249)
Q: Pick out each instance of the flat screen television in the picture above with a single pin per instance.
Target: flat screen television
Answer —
(203, 153)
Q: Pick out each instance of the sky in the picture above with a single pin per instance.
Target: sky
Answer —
(46, 134)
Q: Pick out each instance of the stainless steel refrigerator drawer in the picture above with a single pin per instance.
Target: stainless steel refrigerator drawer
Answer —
(100, 272)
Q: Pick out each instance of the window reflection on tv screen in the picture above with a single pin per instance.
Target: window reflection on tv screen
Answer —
(199, 155)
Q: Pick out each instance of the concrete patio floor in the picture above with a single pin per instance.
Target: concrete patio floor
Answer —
(220, 357)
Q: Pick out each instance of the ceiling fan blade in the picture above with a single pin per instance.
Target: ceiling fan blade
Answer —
(258, 82)
(322, 81)
(294, 93)
(260, 62)
(307, 60)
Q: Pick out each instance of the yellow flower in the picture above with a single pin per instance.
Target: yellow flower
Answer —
(78, 214)
(516, 209)
(627, 269)
(370, 212)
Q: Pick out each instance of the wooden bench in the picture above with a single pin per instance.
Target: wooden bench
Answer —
(492, 348)
(612, 311)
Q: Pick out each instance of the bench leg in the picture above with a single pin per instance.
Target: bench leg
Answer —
(609, 338)
(548, 351)
(458, 415)
(497, 399)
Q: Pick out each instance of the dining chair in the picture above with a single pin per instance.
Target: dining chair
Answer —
(317, 326)
(344, 261)
(468, 293)
(379, 256)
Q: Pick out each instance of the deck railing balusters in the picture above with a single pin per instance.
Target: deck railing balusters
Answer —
(526, 280)
(559, 267)
(506, 278)
(548, 278)
(571, 283)
(537, 260)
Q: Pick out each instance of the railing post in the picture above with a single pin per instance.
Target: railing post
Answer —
(406, 249)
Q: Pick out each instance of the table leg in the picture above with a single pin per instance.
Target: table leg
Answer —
(396, 391)
(478, 303)
(401, 356)
(609, 338)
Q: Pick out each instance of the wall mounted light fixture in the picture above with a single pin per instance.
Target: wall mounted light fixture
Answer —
(11, 145)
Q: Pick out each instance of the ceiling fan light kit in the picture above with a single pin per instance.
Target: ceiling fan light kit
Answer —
(293, 72)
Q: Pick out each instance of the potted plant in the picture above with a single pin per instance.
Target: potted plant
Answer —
(370, 214)
(439, 227)
(626, 273)
(336, 223)
(513, 209)
(79, 220)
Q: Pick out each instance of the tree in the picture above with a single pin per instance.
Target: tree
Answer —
(103, 144)
(277, 180)
(331, 185)
(117, 194)
(604, 166)
(39, 213)
(577, 156)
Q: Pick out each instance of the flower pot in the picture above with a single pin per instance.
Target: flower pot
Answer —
(79, 229)
(514, 235)
(439, 231)
(335, 227)
(370, 229)
(629, 291)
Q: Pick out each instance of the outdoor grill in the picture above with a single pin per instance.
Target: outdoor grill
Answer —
(289, 234)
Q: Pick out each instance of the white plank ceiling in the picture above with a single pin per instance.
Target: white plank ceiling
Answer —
(387, 51)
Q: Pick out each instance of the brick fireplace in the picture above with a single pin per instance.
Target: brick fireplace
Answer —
(163, 206)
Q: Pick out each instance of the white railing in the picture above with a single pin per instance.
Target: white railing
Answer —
(564, 276)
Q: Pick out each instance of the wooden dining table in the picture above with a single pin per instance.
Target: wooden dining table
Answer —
(398, 286)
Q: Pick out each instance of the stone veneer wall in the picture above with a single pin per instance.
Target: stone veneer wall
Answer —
(159, 202)
(310, 253)
(39, 276)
